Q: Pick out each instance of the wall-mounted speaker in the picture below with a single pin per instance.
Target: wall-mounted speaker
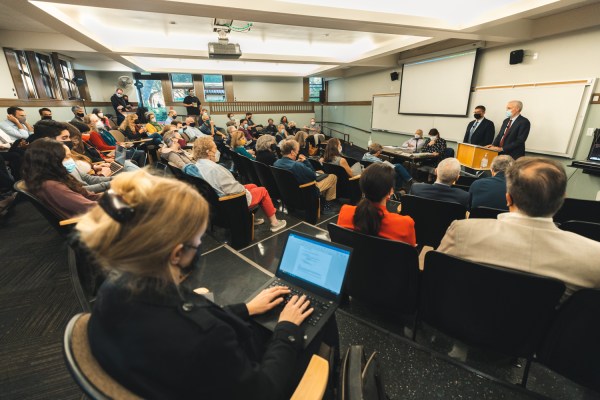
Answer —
(516, 57)
(322, 96)
(394, 76)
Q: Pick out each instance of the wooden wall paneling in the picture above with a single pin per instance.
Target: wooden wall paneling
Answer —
(11, 59)
(228, 83)
(84, 89)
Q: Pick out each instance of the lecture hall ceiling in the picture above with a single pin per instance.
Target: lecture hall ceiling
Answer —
(287, 37)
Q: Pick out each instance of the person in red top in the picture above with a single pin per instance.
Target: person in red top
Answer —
(96, 140)
(371, 216)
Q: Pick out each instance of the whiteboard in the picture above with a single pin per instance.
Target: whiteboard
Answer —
(556, 112)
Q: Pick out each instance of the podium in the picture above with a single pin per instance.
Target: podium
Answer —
(471, 155)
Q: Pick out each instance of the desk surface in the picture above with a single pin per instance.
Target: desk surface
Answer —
(399, 152)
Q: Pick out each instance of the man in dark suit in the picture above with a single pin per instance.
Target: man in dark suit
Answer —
(491, 192)
(513, 133)
(480, 131)
(447, 171)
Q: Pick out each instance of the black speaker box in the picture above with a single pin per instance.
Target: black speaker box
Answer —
(322, 96)
(394, 76)
(516, 57)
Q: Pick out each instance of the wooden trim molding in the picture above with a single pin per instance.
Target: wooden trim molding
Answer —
(349, 103)
(261, 107)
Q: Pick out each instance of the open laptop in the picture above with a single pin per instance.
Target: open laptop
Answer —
(120, 157)
(313, 267)
(593, 159)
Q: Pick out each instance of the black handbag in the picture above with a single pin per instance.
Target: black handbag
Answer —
(361, 376)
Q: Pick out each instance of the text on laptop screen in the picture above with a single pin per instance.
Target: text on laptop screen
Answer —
(318, 263)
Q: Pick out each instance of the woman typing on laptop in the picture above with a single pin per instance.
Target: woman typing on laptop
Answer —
(152, 335)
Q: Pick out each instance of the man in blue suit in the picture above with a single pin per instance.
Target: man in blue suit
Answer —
(481, 130)
(491, 192)
(513, 133)
(447, 171)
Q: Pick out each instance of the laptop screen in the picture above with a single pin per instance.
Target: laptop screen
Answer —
(595, 149)
(120, 154)
(315, 262)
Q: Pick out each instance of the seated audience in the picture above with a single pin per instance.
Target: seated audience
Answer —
(251, 125)
(313, 127)
(313, 141)
(16, 126)
(191, 129)
(146, 319)
(206, 167)
(270, 129)
(414, 144)
(98, 139)
(301, 139)
(371, 216)
(491, 192)
(303, 171)
(245, 130)
(284, 121)
(266, 150)
(526, 238)
(13, 151)
(172, 152)
(152, 126)
(402, 175)
(108, 124)
(134, 132)
(291, 128)
(333, 155)
(208, 128)
(436, 146)
(447, 173)
(281, 133)
(238, 141)
(171, 115)
(47, 178)
(91, 183)
(77, 120)
(231, 121)
(45, 113)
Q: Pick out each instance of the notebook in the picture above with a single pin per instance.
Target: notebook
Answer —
(313, 267)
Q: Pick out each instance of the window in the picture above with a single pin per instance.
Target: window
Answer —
(214, 89)
(22, 77)
(151, 96)
(66, 81)
(181, 83)
(48, 76)
(315, 85)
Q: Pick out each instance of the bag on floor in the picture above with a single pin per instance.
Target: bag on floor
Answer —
(361, 376)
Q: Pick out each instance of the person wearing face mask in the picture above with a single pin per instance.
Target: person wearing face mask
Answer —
(266, 150)
(281, 133)
(119, 105)
(313, 127)
(481, 130)
(224, 183)
(152, 126)
(171, 115)
(77, 120)
(238, 143)
(513, 132)
(333, 155)
(245, 129)
(192, 104)
(45, 113)
(436, 146)
(16, 126)
(191, 128)
(134, 132)
(270, 129)
(91, 183)
(414, 144)
(107, 122)
(97, 139)
(172, 152)
(47, 178)
(231, 121)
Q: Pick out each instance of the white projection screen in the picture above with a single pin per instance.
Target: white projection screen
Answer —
(438, 86)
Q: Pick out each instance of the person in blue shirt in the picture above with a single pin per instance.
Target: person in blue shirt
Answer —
(403, 177)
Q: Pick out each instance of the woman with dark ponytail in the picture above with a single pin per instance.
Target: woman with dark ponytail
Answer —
(371, 216)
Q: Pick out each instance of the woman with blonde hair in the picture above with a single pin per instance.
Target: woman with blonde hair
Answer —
(134, 132)
(146, 320)
(238, 141)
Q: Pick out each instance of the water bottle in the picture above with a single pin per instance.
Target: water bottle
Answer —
(484, 161)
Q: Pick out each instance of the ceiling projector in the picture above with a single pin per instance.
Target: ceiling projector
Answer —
(224, 50)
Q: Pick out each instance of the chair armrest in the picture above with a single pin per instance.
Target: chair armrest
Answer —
(354, 178)
(232, 196)
(70, 221)
(307, 184)
(314, 381)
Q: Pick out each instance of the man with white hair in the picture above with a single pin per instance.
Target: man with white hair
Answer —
(447, 171)
(513, 133)
(491, 192)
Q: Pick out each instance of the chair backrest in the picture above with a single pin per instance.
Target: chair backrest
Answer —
(448, 153)
(84, 368)
(177, 172)
(432, 217)
(317, 166)
(239, 166)
(267, 179)
(498, 308)
(249, 170)
(590, 230)
(345, 187)
(52, 217)
(382, 273)
(118, 135)
(485, 212)
(572, 347)
(578, 210)
(297, 197)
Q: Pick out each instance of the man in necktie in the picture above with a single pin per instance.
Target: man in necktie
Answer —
(513, 133)
(480, 131)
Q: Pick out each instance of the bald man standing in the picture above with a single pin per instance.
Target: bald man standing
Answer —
(513, 133)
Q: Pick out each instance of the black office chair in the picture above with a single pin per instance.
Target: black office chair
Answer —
(578, 210)
(590, 230)
(432, 217)
(572, 347)
(500, 309)
(267, 179)
(448, 153)
(240, 167)
(298, 197)
(249, 170)
(485, 212)
(317, 166)
(346, 187)
(382, 273)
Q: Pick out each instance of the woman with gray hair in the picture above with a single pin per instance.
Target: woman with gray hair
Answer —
(266, 148)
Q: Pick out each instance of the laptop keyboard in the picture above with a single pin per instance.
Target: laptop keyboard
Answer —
(115, 167)
(320, 307)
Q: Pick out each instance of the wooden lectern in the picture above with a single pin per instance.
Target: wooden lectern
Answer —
(471, 155)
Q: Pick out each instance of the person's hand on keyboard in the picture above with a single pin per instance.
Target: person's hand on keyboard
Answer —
(267, 300)
(296, 310)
